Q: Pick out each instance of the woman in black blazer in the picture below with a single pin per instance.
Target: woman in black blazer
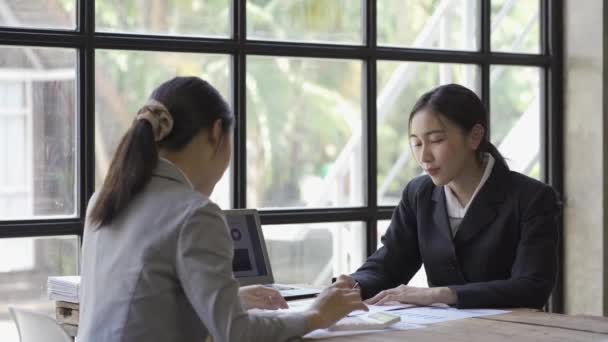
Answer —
(486, 235)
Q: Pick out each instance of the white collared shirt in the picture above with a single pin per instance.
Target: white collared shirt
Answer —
(455, 210)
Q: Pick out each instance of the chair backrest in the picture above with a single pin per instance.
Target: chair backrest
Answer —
(35, 327)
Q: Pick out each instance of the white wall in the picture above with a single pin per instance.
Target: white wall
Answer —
(585, 158)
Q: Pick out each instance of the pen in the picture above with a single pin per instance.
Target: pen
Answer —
(356, 286)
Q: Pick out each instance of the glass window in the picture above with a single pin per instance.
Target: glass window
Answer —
(25, 265)
(419, 279)
(305, 125)
(450, 25)
(211, 18)
(515, 116)
(400, 84)
(46, 14)
(516, 26)
(304, 140)
(335, 21)
(38, 133)
(313, 253)
(381, 228)
(123, 82)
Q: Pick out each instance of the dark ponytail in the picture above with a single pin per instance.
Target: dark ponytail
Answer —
(487, 147)
(194, 105)
(131, 169)
(462, 107)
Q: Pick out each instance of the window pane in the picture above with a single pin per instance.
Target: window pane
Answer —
(25, 264)
(211, 18)
(515, 116)
(400, 84)
(516, 26)
(123, 82)
(335, 21)
(50, 14)
(451, 25)
(419, 279)
(38, 126)
(314, 253)
(382, 226)
(304, 146)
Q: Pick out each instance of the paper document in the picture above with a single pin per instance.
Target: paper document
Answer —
(324, 333)
(304, 304)
(433, 314)
(412, 317)
(380, 308)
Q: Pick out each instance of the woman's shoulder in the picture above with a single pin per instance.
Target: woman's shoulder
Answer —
(532, 193)
(178, 205)
(526, 184)
(420, 182)
(199, 204)
(177, 196)
(206, 224)
(205, 212)
(418, 186)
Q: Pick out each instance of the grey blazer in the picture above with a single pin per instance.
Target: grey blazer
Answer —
(162, 271)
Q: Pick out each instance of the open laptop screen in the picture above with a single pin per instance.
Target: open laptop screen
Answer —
(251, 264)
(248, 253)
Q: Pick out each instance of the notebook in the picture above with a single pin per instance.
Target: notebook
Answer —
(251, 264)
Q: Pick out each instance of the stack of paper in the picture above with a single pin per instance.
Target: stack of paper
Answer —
(64, 288)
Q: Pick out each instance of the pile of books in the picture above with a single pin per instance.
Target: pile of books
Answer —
(65, 289)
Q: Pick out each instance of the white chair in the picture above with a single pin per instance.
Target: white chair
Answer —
(35, 327)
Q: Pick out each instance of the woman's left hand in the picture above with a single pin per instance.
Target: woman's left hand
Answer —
(261, 297)
(415, 295)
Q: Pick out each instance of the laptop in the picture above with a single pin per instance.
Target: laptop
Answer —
(251, 264)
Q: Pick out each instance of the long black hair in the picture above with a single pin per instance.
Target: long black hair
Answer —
(462, 107)
(194, 105)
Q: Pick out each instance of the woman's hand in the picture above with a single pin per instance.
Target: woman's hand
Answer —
(261, 297)
(331, 305)
(415, 295)
(344, 282)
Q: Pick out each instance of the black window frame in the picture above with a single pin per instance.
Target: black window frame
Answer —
(86, 40)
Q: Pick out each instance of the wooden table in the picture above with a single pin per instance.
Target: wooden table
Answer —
(520, 325)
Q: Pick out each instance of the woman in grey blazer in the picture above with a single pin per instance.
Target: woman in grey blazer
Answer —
(157, 254)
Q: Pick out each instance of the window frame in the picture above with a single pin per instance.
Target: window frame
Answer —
(86, 41)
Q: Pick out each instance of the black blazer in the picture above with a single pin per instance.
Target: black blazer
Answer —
(503, 255)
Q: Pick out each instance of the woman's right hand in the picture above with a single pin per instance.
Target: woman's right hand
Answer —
(331, 305)
(344, 282)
